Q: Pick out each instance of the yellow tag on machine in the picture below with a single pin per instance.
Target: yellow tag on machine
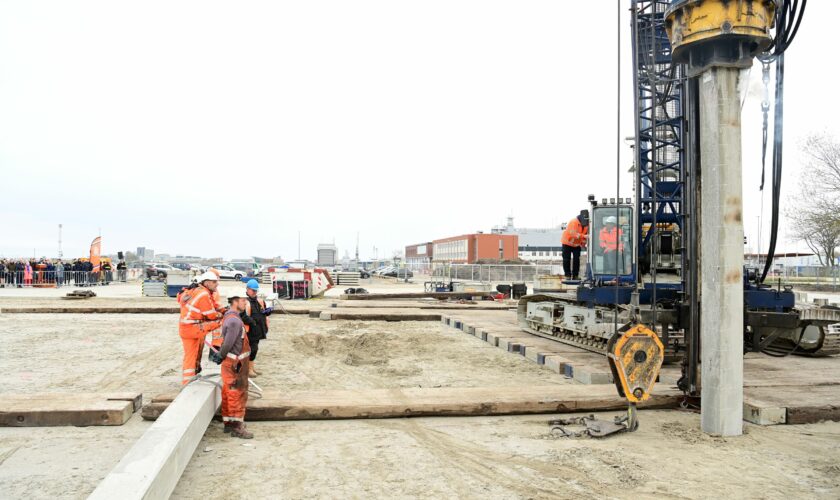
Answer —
(635, 356)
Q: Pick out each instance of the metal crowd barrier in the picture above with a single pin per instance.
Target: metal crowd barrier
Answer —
(50, 279)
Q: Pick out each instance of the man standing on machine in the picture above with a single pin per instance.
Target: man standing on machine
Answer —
(573, 239)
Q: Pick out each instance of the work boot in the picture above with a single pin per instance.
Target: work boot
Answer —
(228, 427)
(241, 432)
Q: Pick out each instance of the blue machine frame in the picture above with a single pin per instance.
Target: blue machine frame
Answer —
(659, 107)
(659, 154)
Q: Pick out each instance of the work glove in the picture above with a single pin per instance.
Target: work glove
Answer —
(267, 311)
(216, 357)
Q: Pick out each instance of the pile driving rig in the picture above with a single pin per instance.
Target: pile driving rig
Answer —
(652, 276)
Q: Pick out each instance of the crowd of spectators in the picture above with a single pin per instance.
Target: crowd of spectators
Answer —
(48, 272)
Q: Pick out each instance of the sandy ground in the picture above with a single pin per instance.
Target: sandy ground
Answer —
(498, 457)
(97, 353)
(512, 457)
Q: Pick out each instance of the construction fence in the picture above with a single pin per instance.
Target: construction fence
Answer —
(494, 273)
(807, 275)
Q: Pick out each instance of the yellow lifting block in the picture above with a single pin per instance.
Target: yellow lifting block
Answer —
(694, 23)
(635, 358)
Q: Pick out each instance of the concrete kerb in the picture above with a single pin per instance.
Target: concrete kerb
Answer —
(518, 345)
(154, 464)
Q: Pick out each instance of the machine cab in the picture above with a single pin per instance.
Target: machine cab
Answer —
(611, 247)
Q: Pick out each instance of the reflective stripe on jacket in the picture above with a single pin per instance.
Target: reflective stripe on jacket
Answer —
(199, 315)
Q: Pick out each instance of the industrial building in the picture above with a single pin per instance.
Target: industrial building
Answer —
(472, 248)
(327, 255)
(535, 244)
(419, 257)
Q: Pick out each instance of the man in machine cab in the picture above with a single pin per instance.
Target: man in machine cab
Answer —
(610, 241)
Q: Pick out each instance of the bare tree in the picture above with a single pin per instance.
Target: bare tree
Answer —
(815, 211)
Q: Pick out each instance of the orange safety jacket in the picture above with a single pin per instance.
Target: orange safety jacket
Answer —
(199, 315)
(610, 240)
(216, 339)
(575, 234)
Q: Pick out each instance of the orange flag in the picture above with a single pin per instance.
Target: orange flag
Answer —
(95, 249)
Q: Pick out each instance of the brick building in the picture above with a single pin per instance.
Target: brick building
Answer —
(471, 248)
(419, 257)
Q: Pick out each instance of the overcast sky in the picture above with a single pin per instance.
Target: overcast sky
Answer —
(224, 128)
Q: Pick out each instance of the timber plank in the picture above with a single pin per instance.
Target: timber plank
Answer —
(67, 409)
(91, 310)
(376, 315)
(415, 295)
(446, 401)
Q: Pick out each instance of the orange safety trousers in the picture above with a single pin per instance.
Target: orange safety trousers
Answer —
(235, 386)
(193, 349)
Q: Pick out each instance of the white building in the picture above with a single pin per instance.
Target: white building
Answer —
(536, 245)
(783, 261)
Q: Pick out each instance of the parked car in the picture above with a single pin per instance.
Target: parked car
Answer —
(364, 273)
(249, 268)
(158, 269)
(226, 271)
(398, 273)
(383, 269)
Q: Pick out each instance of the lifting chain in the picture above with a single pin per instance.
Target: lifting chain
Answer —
(765, 110)
(592, 427)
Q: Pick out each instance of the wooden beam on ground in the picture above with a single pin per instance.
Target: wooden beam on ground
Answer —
(91, 310)
(67, 409)
(416, 295)
(405, 315)
(447, 401)
(153, 466)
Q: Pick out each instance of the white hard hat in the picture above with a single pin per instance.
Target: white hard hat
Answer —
(207, 276)
(609, 220)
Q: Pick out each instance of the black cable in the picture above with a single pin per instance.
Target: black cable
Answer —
(654, 164)
(777, 164)
(788, 19)
(617, 150)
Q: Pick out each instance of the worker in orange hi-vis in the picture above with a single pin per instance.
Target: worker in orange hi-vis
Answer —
(216, 335)
(199, 317)
(233, 356)
(573, 240)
